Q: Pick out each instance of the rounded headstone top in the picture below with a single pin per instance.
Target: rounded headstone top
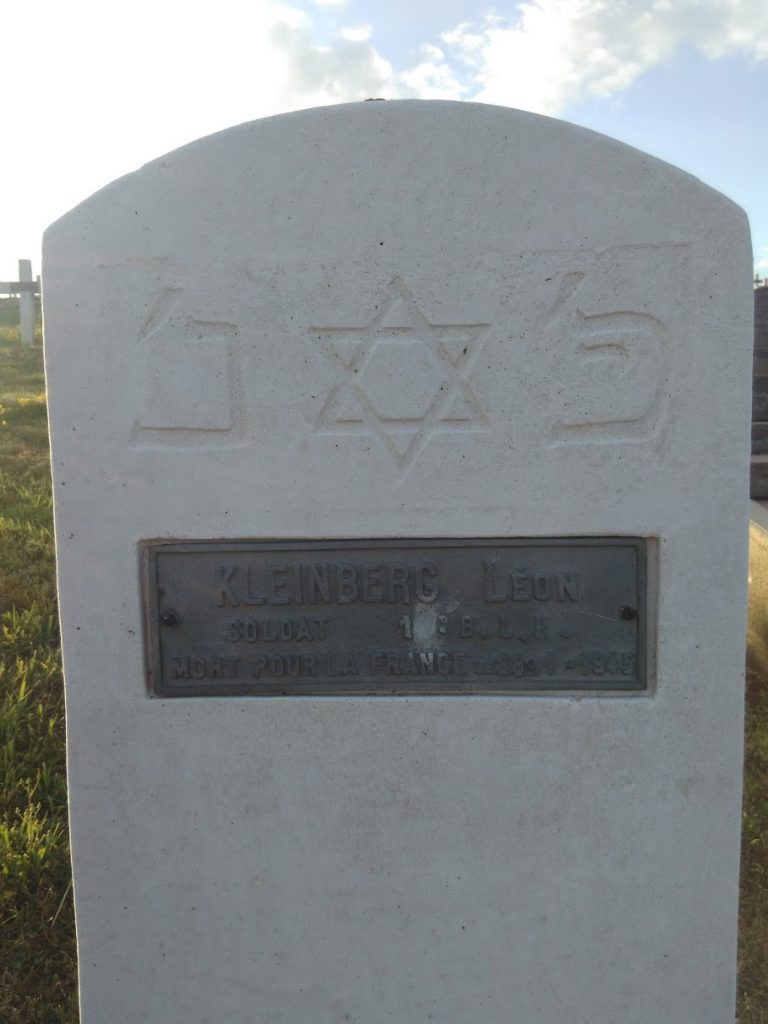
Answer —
(413, 169)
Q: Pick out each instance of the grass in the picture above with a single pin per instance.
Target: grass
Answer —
(753, 916)
(37, 947)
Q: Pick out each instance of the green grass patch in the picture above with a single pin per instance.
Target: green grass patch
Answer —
(753, 916)
(37, 946)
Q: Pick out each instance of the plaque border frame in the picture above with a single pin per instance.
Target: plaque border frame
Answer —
(158, 689)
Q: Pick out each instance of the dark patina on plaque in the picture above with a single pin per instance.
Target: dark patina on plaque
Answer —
(394, 617)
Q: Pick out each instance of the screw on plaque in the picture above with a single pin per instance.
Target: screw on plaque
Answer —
(628, 613)
(170, 618)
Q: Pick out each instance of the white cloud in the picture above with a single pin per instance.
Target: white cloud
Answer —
(552, 53)
(313, 74)
(432, 78)
(112, 87)
(357, 33)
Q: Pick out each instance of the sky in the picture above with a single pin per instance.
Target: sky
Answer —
(93, 89)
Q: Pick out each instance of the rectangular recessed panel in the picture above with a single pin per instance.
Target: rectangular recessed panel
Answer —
(395, 617)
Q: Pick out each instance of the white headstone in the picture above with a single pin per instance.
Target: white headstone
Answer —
(500, 365)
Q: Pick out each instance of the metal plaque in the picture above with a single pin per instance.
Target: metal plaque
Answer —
(381, 617)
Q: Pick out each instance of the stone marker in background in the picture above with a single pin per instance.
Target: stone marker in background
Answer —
(26, 305)
(400, 454)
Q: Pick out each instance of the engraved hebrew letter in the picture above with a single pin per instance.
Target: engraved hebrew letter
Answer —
(611, 373)
(191, 381)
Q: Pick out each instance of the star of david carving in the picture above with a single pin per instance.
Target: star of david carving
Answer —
(401, 378)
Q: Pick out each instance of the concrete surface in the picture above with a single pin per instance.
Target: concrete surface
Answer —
(447, 859)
